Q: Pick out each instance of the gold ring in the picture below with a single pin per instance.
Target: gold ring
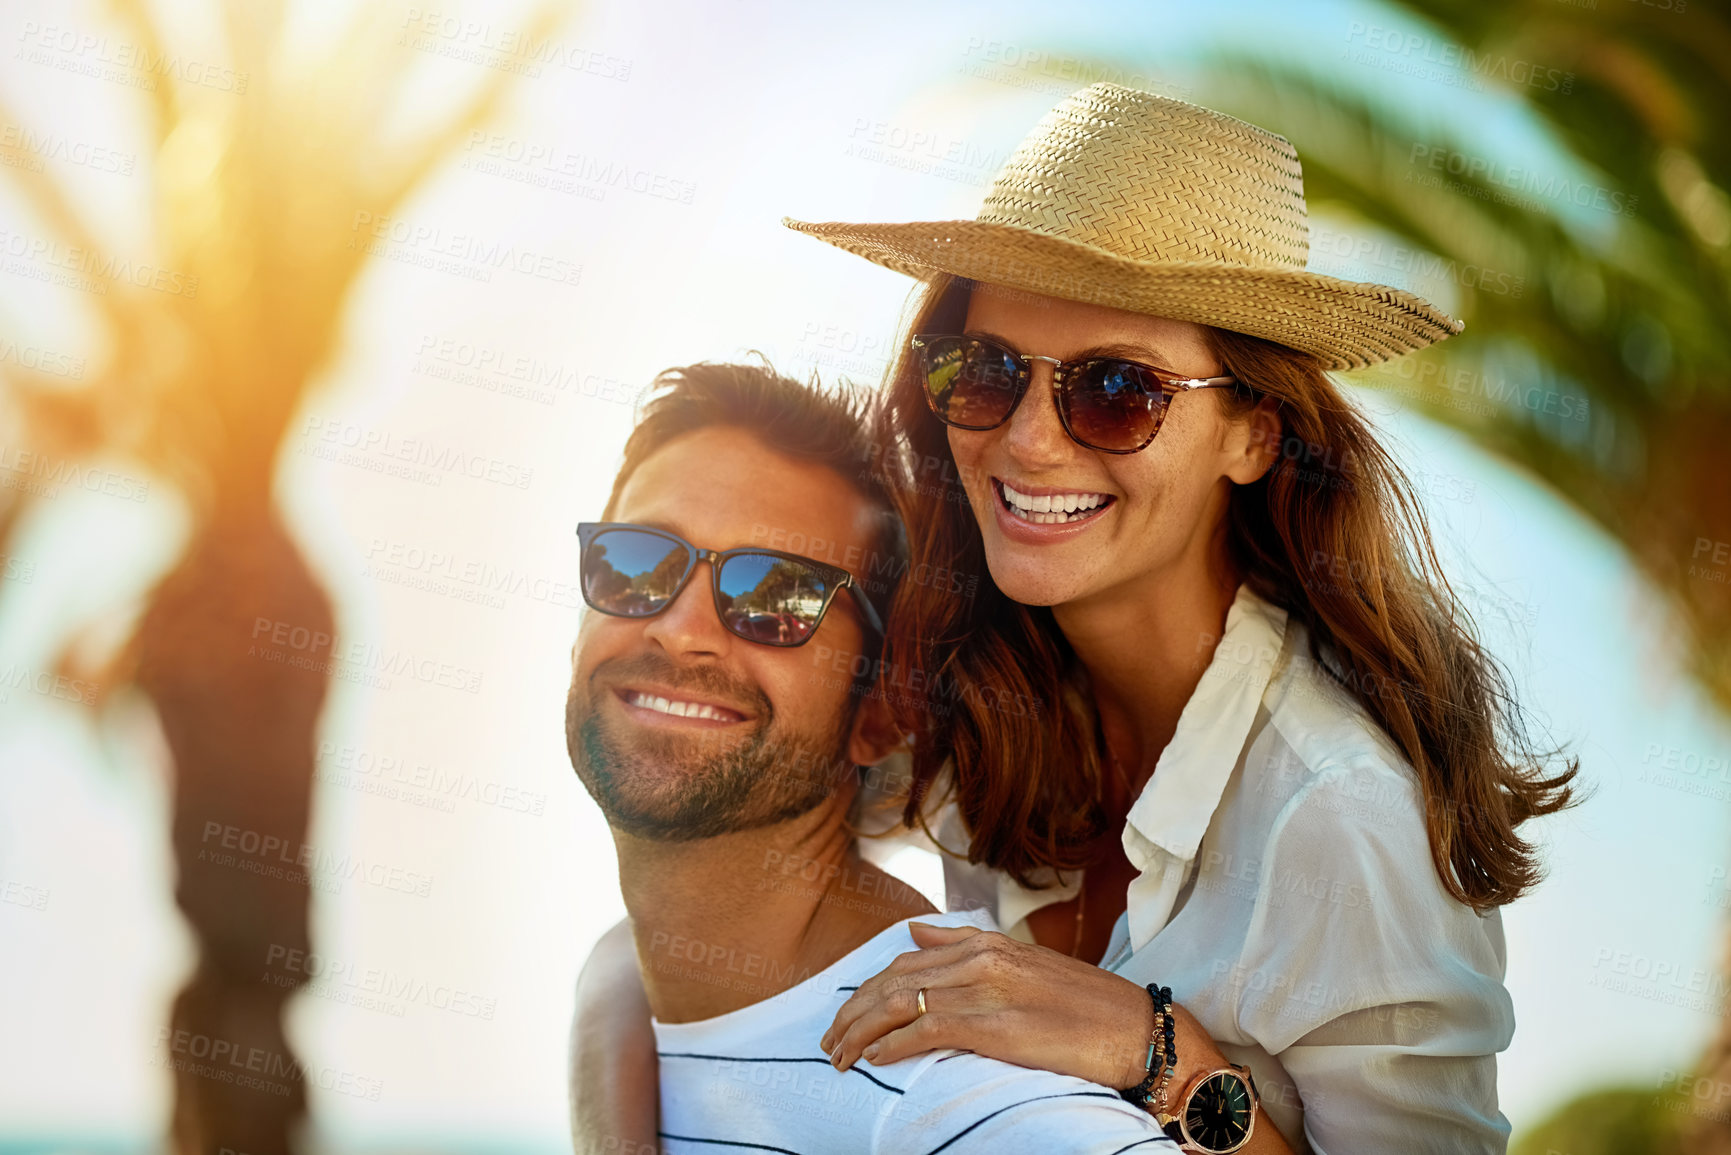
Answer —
(922, 1002)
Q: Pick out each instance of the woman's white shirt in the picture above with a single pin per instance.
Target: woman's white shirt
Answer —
(1286, 894)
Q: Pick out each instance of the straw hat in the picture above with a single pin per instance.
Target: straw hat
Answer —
(1140, 202)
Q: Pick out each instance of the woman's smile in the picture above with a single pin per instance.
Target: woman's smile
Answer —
(1029, 506)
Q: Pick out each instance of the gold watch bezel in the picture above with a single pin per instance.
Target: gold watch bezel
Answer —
(1181, 1107)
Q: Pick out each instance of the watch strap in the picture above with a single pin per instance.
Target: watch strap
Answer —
(1169, 1124)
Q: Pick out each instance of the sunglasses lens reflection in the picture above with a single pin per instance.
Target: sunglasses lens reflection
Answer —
(771, 600)
(1113, 405)
(631, 573)
(970, 383)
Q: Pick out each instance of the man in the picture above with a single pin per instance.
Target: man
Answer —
(709, 721)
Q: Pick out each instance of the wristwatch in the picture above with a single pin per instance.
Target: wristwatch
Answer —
(1215, 1114)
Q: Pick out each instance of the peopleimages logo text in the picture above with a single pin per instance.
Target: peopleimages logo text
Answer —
(1548, 187)
(1422, 49)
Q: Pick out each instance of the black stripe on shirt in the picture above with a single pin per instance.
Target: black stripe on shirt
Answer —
(1139, 1143)
(724, 1143)
(1023, 1103)
(738, 1059)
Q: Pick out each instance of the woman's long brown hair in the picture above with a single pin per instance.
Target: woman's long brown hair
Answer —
(1332, 534)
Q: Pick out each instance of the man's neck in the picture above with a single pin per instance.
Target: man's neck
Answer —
(725, 922)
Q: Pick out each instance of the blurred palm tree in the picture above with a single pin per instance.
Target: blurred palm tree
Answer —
(1596, 287)
(258, 179)
(1627, 1121)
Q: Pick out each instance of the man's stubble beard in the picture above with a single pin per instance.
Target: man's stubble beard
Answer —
(770, 777)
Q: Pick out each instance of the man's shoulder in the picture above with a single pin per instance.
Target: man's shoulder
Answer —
(799, 997)
(960, 1101)
(756, 1074)
(881, 949)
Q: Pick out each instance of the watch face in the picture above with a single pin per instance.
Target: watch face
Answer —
(1219, 1112)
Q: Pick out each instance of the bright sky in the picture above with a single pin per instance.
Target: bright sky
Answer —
(727, 116)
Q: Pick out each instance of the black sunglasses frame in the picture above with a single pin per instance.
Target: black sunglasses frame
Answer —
(839, 579)
(1171, 385)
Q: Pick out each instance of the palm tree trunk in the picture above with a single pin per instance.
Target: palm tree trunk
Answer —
(217, 650)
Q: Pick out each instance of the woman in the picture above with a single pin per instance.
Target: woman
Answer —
(1267, 766)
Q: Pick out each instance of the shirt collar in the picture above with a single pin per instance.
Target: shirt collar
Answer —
(1174, 808)
(1016, 902)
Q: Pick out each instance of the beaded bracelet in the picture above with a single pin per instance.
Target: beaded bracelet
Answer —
(1162, 1060)
(1170, 1050)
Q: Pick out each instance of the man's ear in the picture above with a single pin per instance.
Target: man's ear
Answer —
(874, 735)
(1261, 446)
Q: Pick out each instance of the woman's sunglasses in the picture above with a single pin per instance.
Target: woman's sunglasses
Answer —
(1104, 403)
(762, 595)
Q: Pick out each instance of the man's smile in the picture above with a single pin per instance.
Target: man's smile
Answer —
(658, 706)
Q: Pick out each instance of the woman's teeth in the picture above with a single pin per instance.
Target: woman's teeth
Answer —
(1052, 508)
(680, 709)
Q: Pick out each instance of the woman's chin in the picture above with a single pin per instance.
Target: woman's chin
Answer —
(1035, 585)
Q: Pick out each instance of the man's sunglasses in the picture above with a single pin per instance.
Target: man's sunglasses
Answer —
(1104, 403)
(762, 595)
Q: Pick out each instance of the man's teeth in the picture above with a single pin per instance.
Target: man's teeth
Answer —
(1053, 508)
(679, 709)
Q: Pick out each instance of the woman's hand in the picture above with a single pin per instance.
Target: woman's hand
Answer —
(988, 993)
(995, 996)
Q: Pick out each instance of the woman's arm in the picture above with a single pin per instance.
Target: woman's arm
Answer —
(615, 1096)
(1381, 995)
(1022, 1004)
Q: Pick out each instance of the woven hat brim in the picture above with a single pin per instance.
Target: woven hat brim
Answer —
(1348, 324)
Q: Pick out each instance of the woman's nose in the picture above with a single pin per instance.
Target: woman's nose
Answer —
(1034, 436)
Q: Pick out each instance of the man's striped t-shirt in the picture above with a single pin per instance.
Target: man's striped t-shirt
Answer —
(755, 1080)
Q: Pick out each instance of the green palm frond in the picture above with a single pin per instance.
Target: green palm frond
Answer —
(1596, 356)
